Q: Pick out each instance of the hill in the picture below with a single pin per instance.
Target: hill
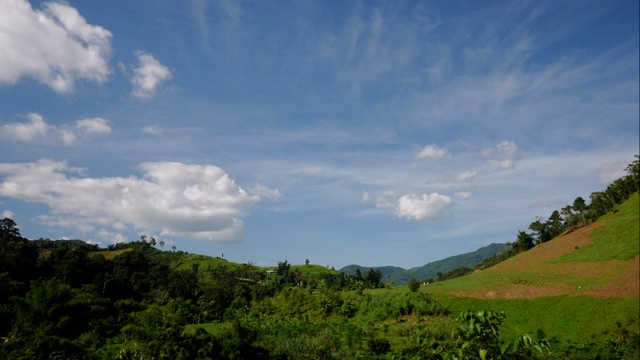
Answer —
(401, 276)
(598, 260)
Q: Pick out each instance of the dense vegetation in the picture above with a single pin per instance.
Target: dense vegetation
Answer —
(71, 300)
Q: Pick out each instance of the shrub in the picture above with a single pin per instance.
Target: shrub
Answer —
(414, 285)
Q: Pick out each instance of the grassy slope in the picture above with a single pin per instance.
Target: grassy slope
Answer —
(107, 254)
(580, 284)
(618, 239)
(204, 262)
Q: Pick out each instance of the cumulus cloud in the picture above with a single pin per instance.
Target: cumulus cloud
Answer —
(36, 129)
(432, 151)
(33, 129)
(171, 199)
(54, 45)
(503, 156)
(422, 207)
(411, 206)
(95, 125)
(148, 76)
(7, 214)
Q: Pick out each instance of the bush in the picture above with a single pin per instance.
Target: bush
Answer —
(414, 285)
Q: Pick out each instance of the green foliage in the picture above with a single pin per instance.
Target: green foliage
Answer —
(414, 285)
(479, 337)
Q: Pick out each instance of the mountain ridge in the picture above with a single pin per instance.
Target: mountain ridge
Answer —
(401, 276)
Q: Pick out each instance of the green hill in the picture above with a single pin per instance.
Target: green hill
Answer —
(401, 276)
(600, 259)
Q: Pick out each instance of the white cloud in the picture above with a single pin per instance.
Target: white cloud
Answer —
(464, 195)
(506, 164)
(55, 45)
(265, 192)
(508, 149)
(148, 76)
(503, 156)
(432, 151)
(111, 236)
(37, 130)
(422, 207)
(152, 130)
(386, 200)
(466, 175)
(171, 199)
(93, 126)
(7, 214)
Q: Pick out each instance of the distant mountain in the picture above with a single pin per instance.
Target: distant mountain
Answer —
(401, 276)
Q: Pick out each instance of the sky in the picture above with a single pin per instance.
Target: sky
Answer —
(343, 132)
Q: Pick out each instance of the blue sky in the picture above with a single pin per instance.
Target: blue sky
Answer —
(376, 133)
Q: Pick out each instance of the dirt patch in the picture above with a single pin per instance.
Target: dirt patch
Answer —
(625, 284)
(532, 274)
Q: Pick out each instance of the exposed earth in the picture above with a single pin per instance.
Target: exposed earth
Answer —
(534, 274)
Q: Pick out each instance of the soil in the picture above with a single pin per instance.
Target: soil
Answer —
(614, 278)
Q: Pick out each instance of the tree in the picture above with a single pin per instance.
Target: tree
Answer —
(18, 256)
(580, 206)
(414, 285)
(372, 278)
(8, 229)
(541, 230)
(555, 223)
(523, 242)
(358, 274)
(633, 170)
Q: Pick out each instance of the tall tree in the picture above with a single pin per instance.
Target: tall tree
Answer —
(580, 206)
(523, 242)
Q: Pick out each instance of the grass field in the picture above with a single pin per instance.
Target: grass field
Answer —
(567, 318)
